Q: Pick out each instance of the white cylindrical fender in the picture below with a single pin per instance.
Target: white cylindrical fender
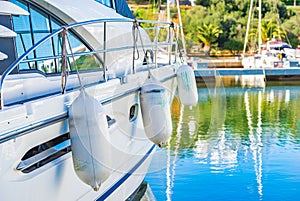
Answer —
(187, 87)
(156, 113)
(90, 141)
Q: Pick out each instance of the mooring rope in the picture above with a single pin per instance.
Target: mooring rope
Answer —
(177, 42)
(73, 56)
(64, 62)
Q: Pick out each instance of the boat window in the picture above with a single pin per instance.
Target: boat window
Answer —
(133, 112)
(31, 29)
(108, 3)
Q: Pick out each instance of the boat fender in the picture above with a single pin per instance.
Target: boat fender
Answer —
(90, 142)
(187, 87)
(156, 113)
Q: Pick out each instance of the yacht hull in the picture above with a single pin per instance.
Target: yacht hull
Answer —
(35, 166)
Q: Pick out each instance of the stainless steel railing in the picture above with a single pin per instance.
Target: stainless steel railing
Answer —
(158, 25)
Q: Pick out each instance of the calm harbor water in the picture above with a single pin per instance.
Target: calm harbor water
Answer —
(238, 143)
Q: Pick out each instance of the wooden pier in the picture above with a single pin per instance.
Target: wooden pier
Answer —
(271, 74)
(220, 63)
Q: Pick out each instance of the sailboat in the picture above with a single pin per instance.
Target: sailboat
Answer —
(273, 54)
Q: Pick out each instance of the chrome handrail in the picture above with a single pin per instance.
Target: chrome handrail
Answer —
(160, 44)
(22, 59)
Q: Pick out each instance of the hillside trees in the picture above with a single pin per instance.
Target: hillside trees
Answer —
(230, 16)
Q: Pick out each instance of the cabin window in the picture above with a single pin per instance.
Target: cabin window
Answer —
(31, 29)
(133, 112)
(108, 3)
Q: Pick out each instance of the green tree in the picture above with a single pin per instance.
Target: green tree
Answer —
(193, 17)
(271, 29)
(233, 46)
(208, 35)
(293, 30)
(202, 2)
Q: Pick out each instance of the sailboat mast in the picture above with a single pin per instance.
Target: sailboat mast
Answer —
(259, 27)
(248, 27)
(168, 11)
(181, 28)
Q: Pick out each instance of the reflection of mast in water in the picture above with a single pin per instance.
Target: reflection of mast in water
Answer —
(253, 81)
(214, 148)
(256, 143)
(223, 153)
(170, 173)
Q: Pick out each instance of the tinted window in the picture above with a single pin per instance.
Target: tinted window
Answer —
(108, 3)
(31, 29)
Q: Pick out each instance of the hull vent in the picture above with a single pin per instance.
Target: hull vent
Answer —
(45, 153)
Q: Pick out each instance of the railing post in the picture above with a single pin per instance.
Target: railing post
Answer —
(156, 43)
(176, 45)
(134, 28)
(64, 61)
(170, 41)
(104, 53)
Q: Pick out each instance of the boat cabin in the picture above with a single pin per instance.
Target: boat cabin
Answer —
(29, 23)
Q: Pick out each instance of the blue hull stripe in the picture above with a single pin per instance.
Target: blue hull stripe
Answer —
(126, 176)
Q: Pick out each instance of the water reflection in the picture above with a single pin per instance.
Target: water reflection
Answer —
(233, 126)
(236, 113)
(255, 140)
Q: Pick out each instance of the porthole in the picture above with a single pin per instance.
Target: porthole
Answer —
(133, 112)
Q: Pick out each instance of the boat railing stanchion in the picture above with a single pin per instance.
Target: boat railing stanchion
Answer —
(134, 36)
(64, 61)
(104, 52)
(170, 41)
(156, 42)
(73, 57)
(176, 44)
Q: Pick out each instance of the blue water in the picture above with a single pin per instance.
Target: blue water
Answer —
(236, 144)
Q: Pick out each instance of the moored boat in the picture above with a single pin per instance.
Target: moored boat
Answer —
(268, 53)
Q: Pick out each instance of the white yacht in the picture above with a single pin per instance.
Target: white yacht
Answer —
(72, 125)
(274, 54)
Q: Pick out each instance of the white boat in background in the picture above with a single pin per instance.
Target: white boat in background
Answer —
(273, 54)
(77, 57)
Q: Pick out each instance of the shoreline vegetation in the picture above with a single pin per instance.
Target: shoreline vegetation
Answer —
(217, 28)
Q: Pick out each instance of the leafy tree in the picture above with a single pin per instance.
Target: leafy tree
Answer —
(293, 30)
(208, 34)
(291, 2)
(270, 29)
(233, 46)
(202, 2)
(194, 17)
(45, 68)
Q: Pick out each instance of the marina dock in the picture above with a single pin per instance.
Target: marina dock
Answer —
(220, 63)
(271, 74)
